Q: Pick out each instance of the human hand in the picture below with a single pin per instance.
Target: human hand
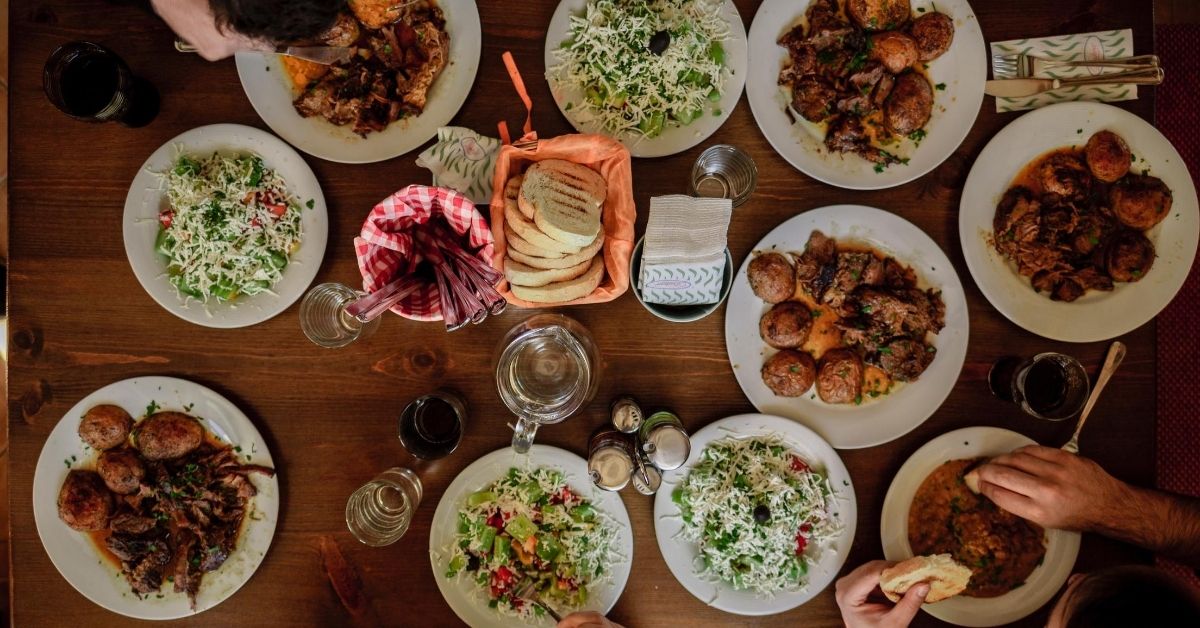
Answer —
(1053, 488)
(860, 610)
(588, 619)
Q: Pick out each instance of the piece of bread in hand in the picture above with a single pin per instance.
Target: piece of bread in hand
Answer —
(564, 291)
(945, 576)
(971, 479)
(564, 261)
(565, 200)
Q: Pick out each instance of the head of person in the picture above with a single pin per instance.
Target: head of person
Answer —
(277, 20)
(1120, 597)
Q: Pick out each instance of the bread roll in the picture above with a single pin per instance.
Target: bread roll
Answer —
(945, 576)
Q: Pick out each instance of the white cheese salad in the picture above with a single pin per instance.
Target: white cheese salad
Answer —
(643, 65)
(229, 228)
(757, 512)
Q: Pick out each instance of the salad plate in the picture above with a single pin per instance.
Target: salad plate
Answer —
(674, 138)
(1043, 583)
(1097, 315)
(824, 560)
(469, 600)
(960, 73)
(75, 554)
(147, 198)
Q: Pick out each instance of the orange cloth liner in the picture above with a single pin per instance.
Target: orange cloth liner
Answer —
(602, 154)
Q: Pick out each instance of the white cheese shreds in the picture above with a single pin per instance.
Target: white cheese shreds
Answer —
(628, 89)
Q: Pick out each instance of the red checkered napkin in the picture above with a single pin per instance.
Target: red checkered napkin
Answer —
(385, 248)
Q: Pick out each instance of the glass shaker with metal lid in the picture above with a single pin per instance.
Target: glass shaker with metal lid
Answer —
(626, 414)
(610, 459)
(664, 441)
(547, 369)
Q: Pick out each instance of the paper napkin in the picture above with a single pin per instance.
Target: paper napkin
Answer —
(1090, 46)
(683, 258)
(463, 160)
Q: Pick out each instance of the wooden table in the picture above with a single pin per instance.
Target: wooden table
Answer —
(80, 320)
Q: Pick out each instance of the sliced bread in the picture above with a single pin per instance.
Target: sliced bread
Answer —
(515, 243)
(519, 274)
(945, 576)
(512, 194)
(530, 232)
(563, 291)
(565, 261)
(566, 200)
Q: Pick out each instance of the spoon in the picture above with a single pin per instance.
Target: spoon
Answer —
(1116, 353)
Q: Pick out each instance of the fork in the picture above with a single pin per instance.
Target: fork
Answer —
(1028, 66)
(528, 592)
(1116, 353)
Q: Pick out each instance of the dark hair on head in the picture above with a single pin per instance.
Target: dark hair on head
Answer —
(277, 20)
(1133, 595)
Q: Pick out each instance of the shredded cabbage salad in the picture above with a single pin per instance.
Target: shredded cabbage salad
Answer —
(758, 513)
(230, 226)
(530, 526)
(627, 87)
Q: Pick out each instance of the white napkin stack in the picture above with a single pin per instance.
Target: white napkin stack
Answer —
(683, 258)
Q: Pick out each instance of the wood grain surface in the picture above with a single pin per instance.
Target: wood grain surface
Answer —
(80, 320)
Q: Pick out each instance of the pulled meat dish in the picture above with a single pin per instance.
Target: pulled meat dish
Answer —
(850, 320)
(1074, 219)
(168, 505)
(1000, 548)
(859, 72)
(398, 52)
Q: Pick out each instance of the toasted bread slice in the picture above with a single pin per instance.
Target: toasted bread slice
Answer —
(519, 274)
(945, 576)
(512, 194)
(566, 261)
(515, 243)
(563, 291)
(529, 232)
(565, 199)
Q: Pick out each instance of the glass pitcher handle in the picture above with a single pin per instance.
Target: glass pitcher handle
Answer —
(523, 434)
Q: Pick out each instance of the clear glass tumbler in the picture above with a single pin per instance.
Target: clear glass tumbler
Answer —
(1051, 386)
(324, 319)
(380, 512)
(723, 171)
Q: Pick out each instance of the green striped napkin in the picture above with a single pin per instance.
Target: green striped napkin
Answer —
(463, 160)
(1090, 46)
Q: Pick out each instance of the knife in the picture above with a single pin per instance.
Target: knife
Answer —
(1017, 88)
(324, 55)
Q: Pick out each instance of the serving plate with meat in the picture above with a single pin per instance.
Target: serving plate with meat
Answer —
(412, 67)
(850, 320)
(155, 498)
(866, 94)
(1016, 565)
(1079, 221)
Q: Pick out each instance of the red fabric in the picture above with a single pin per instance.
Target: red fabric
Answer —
(1178, 370)
(385, 250)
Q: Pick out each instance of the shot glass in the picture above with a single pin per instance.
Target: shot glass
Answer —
(380, 512)
(723, 171)
(324, 319)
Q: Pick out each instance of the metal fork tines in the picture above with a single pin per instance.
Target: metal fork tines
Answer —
(1030, 66)
(528, 591)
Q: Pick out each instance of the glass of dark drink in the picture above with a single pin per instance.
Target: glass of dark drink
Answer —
(432, 425)
(89, 82)
(1051, 386)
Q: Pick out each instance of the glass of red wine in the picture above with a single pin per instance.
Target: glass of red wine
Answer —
(91, 83)
(432, 425)
(1051, 386)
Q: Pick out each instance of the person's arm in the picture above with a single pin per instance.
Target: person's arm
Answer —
(1055, 489)
(194, 22)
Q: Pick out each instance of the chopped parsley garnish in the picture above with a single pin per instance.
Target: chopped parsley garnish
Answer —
(152, 407)
(917, 135)
(941, 87)
(310, 203)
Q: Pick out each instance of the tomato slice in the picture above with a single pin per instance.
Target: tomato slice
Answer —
(799, 465)
(165, 218)
(277, 209)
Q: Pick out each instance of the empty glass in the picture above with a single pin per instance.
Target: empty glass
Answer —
(380, 512)
(1051, 386)
(324, 319)
(723, 171)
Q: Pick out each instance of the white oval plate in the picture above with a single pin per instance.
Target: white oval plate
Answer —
(1096, 315)
(878, 420)
(270, 92)
(674, 139)
(963, 69)
(145, 199)
(680, 555)
(1062, 547)
(78, 559)
(466, 599)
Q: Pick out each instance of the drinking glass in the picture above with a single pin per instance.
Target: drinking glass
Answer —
(1051, 386)
(547, 369)
(723, 171)
(432, 425)
(324, 319)
(380, 512)
(90, 82)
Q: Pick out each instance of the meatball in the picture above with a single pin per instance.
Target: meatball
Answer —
(1129, 256)
(772, 277)
(894, 50)
(933, 33)
(909, 105)
(789, 373)
(105, 426)
(1064, 174)
(813, 98)
(879, 15)
(840, 377)
(904, 359)
(786, 325)
(121, 470)
(1140, 201)
(83, 502)
(166, 435)
(1107, 156)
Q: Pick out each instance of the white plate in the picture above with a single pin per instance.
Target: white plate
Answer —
(674, 139)
(270, 92)
(463, 595)
(145, 199)
(963, 69)
(972, 442)
(681, 556)
(847, 426)
(1097, 315)
(81, 563)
